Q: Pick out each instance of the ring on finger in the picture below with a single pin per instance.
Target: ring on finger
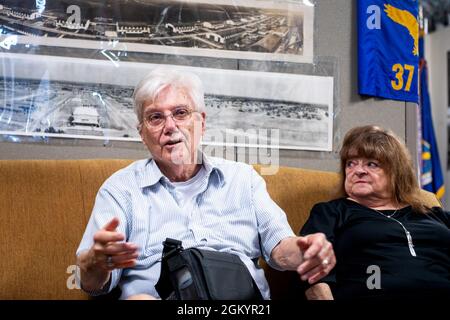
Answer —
(109, 262)
(325, 262)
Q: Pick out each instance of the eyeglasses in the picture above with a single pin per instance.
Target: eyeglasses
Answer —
(156, 120)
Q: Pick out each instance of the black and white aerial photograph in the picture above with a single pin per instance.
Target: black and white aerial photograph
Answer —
(89, 99)
(246, 29)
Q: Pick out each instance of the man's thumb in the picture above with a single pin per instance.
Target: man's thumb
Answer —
(302, 243)
(112, 225)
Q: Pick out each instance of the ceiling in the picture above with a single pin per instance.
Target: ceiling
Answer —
(436, 12)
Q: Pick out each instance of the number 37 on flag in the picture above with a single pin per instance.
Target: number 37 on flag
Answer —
(399, 82)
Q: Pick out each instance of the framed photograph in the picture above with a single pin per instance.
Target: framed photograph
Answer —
(91, 99)
(279, 30)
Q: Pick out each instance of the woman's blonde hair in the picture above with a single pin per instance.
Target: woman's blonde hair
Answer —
(373, 142)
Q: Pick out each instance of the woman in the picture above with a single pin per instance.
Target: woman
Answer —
(387, 243)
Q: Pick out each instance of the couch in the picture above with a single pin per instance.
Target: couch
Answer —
(45, 206)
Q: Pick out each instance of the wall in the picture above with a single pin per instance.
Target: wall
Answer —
(335, 41)
(437, 45)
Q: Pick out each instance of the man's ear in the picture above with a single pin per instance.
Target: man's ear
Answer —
(203, 114)
(139, 129)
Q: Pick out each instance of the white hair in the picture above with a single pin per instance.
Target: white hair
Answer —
(162, 77)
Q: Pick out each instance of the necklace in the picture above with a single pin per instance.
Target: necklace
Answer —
(387, 215)
(407, 233)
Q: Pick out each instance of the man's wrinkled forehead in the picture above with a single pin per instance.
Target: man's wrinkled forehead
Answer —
(169, 97)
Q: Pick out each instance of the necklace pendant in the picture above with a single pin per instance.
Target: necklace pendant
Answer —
(410, 244)
(408, 235)
(411, 250)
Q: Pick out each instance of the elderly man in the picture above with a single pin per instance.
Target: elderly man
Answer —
(181, 194)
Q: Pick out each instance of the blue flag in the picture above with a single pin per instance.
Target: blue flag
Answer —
(431, 177)
(388, 49)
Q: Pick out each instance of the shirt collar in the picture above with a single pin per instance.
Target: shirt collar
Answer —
(213, 169)
(151, 175)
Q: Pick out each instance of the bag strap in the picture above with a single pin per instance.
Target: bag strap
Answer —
(171, 246)
(164, 285)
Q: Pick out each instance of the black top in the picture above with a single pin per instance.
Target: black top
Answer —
(365, 240)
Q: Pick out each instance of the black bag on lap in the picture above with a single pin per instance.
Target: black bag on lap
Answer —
(195, 274)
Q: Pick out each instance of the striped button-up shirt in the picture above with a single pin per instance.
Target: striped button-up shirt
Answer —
(232, 213)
